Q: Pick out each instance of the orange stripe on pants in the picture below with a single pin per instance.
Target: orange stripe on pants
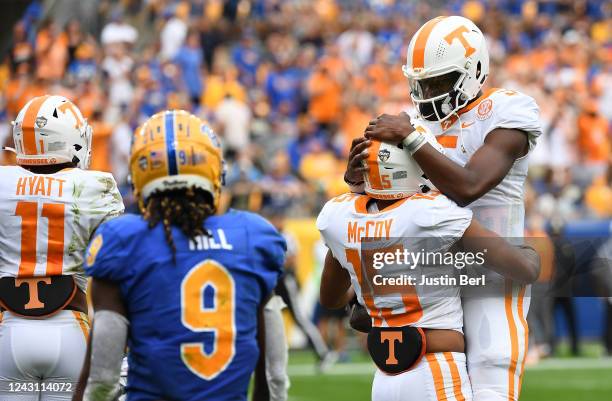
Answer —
(526, 330)
(513, 339)
(436, 372)
(29, 135)
(455, 376)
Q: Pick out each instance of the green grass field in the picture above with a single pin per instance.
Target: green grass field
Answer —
(555, 379)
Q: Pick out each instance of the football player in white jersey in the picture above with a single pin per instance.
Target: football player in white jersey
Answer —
(50, 205)
(416, 339)
(487, 137)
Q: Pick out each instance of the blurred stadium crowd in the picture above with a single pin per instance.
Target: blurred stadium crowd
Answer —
(288, 84)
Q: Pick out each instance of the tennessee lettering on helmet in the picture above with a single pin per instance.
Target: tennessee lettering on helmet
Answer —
(175, 149)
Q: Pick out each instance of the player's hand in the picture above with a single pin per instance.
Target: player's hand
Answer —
(389, 128)
(356, 168)
(360, 319)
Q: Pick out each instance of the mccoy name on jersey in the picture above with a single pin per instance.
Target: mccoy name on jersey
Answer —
(345, 222)
(48, 219)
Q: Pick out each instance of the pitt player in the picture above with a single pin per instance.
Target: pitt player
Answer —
(416, 339)
(49, 208)
(193, 287)
(487, 136)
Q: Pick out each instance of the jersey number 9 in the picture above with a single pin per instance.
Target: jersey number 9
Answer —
(219, 318)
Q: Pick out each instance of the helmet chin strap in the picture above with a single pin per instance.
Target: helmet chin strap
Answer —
(460, 130)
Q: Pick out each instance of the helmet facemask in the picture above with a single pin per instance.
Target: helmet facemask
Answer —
(439, 97)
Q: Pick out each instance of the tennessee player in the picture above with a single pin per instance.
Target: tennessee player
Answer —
(487, 136)
(194, 288)
(49, 207)
(416, 339)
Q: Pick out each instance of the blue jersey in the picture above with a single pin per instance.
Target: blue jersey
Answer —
(193, 323)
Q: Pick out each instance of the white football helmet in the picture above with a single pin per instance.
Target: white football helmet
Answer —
(447, 64)
(52, 130)
(393, 173)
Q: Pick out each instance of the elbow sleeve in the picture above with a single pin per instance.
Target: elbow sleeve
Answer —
(276, 350)
(109, 333)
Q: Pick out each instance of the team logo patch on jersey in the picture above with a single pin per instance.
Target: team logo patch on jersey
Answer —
(93, 250)
(485, 109)
(41, 122)
(384, 155)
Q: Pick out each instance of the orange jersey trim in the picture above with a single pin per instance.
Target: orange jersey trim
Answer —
(449, 142)
(478, 100)
(446, 124)
(362, 202)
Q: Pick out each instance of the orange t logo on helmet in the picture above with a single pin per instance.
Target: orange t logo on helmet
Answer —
(458, 34)
(75, 113)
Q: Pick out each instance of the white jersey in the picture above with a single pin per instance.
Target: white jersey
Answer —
(344, 221)
(502, 208)
(47, 220)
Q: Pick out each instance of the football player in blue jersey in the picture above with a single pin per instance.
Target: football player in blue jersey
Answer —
(188, 291)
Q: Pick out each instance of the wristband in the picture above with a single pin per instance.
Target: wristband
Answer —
(413, 142)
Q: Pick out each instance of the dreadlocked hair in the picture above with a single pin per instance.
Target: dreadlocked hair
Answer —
(186, 209)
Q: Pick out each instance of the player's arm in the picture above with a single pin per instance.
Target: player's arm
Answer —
(486, 168)
(271, 379)
(335, 284)
(521, 264)
(99, 379)
(261, 392)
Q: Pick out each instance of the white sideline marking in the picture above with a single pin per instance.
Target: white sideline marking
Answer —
(365, 368)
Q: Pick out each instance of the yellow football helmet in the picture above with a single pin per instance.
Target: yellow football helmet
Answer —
(173, 150)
